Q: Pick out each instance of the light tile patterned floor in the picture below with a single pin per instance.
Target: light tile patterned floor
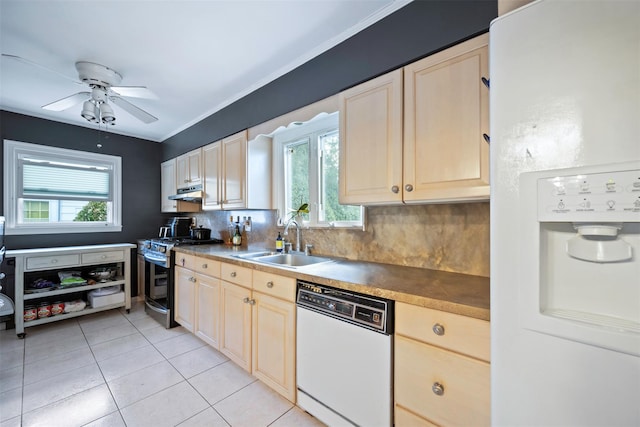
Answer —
(119, 369)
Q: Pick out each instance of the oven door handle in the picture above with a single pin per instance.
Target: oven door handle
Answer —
(155, 306)
(158, 260)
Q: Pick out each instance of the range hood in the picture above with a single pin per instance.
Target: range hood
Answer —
(189, 194)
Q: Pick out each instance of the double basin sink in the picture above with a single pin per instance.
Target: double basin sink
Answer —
(282, 259)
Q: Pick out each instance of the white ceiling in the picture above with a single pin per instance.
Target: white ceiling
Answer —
(196, 56)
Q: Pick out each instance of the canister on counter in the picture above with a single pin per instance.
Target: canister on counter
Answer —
(30, 313)
(57, 308)
(44, 310)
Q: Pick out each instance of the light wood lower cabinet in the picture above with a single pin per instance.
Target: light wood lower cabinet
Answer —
(274, 332)
(441, 369)
(185, 297)
(207, 326)
(235, 337)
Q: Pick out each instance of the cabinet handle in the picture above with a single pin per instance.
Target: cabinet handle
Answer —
(437, 389)
(269, 284)
(486, 82)
(395, 189)
(252, 301)
(487, 138)
(438, 329)
(408, 187)
(245, 300)
(233, 274)
(183, 261)
(204, 266)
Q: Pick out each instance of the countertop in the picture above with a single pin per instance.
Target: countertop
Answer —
(451, 292)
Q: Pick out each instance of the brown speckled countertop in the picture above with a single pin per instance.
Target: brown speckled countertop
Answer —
(452, 292)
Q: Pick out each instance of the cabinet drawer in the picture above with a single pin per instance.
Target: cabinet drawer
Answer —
(98, 257)
(207, 267)
(235, 274)
(52, 261)
(458, 333)
(464, 381)
(186, 261)
(277, 286)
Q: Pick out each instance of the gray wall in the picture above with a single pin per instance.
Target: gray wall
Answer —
(140, 177)
(415, 31)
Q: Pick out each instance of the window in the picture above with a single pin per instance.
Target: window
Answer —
(56, 190)
(306, 165)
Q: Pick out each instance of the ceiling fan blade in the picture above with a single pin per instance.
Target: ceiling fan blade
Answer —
(35, 64)
(136, 112)
(67, 102)
(134, 92)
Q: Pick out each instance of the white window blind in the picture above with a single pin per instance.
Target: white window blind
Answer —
(65, 182)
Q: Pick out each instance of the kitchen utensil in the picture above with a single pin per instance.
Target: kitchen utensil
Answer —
(200, 233)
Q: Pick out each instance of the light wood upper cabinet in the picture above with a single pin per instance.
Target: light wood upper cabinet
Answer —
(168, 188)
(237, 173)
(371, 141)
(415, 135)
(189, 169)
(446, 112)
(234, 180)
(212, 182)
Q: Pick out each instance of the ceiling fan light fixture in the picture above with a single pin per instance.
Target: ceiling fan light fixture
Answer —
(106, 112)
(89, 111)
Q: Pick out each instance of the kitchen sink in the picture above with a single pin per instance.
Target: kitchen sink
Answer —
(252, 255)
(286, 260)
(292, 260)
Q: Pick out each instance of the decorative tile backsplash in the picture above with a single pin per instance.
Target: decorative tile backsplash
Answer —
(448, 237)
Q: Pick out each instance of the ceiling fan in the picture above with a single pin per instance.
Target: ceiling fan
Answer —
(103, 84)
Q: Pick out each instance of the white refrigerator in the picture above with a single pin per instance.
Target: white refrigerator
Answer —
(565, 214)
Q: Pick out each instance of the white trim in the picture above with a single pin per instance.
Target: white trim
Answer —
(13, 150)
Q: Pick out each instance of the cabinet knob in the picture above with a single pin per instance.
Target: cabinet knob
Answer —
(233, 274)
(193, 279)
(252, 302)
(54, 261)
(437, 389)
(204, 265)
(408, 187)
(269, 284)
(395, 189)
(438, 329)
(245, 300)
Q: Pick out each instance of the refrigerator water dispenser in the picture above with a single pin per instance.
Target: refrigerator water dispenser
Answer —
(580, 250)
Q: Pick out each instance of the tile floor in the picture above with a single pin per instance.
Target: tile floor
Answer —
(119, 369)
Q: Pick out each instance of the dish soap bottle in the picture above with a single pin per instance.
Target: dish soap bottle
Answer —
(279, 243)
(237, 237)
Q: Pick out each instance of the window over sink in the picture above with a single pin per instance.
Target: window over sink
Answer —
(306, 171)
(55, 190)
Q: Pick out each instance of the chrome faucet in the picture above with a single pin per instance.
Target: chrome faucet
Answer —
(286, 232)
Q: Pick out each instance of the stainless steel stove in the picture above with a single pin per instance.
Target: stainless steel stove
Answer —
(159, 275)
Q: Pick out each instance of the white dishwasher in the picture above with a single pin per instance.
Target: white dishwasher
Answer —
(344, 356)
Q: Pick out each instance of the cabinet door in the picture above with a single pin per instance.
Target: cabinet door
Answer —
(185, 291)
(208, 310)
(446, 112)
(234, 155)
(273, 344)
(371, 141)
(235, 324)
(212, 180)
(168, 186)
(189, 169)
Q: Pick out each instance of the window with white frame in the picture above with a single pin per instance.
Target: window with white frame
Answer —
(306, 171)
(56, 190)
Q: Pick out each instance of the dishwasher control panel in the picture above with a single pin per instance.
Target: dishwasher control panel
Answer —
(370, 312)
